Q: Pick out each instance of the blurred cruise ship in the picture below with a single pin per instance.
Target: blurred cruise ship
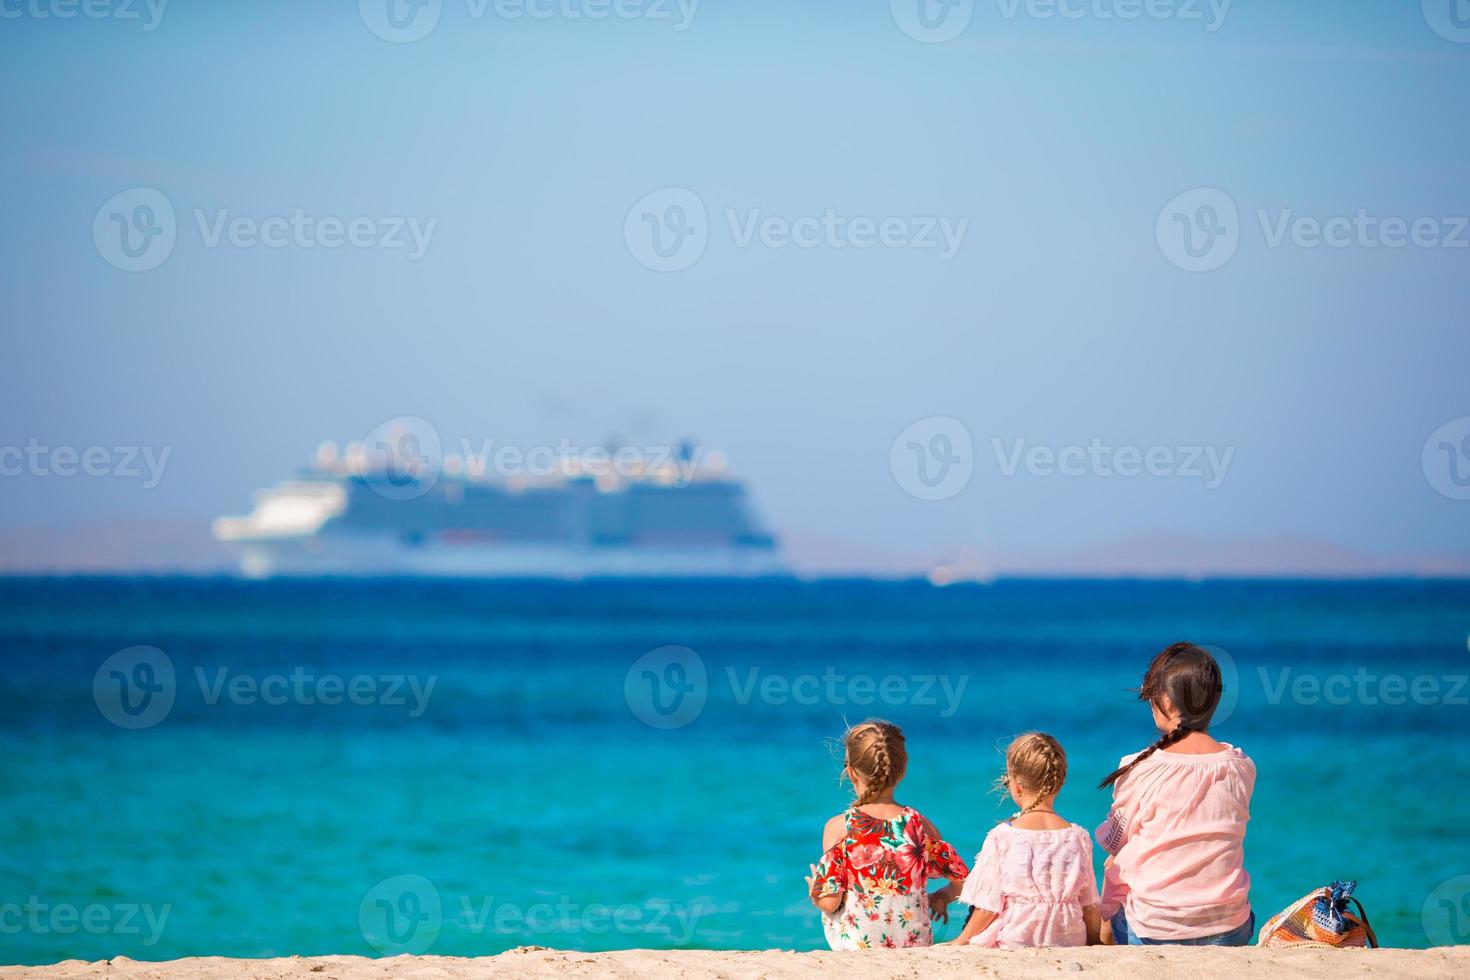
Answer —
(394, 511)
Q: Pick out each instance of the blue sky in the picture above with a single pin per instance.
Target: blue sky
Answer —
(1059, 320)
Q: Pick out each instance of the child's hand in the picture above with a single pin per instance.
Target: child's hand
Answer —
(939, 905)
(811, 879)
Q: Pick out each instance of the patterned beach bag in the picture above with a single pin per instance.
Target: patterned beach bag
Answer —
(1321, 919)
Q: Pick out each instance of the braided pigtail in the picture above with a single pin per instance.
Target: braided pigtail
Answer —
(875, 756)
(1035, 764)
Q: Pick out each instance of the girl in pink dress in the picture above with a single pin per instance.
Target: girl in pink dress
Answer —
(1032, 884)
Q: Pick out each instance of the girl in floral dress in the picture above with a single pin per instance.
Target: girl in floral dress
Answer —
(872, 882)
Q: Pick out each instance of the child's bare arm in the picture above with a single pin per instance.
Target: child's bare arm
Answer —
(1093, 921)
(827, 903)
(939, 901)
(831, 835)
(979, 919)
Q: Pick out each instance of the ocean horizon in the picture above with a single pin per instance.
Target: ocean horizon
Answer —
(225, 767)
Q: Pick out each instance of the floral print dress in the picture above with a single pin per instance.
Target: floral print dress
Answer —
(882, 869)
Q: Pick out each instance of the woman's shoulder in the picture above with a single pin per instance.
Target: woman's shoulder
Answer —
(1180, 776)
(1227, 756)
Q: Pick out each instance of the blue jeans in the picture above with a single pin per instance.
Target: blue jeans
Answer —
(1124, 936)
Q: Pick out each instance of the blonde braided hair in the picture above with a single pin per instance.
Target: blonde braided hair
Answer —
(874, 752)
(1035, 762)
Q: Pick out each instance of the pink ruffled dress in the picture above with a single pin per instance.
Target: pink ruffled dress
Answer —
(1037, 882)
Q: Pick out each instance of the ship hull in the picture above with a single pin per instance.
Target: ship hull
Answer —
(385, 555)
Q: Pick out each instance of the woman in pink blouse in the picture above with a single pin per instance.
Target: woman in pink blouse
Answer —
(1176, 832)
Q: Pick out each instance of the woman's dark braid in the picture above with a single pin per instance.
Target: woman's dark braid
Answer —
(1163, 743)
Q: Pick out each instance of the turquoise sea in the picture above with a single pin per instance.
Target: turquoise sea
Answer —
(259, 769)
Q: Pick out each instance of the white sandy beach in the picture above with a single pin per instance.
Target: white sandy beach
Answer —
(1151, 963)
